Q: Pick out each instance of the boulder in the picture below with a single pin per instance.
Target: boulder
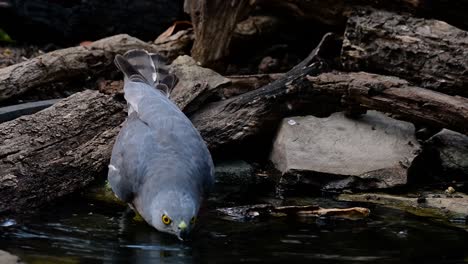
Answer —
(452, 148)
(195, 84)
(7, 258)
(374, 151)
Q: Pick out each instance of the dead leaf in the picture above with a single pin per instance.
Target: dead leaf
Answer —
(178, 25)
(85, 43)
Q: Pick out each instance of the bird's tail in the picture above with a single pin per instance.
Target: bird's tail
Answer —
(141, 66)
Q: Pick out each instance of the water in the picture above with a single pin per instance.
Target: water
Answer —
(86, 231)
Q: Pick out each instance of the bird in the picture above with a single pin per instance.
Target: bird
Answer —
(160, 164)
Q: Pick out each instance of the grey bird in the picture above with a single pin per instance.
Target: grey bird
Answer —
(160, 164)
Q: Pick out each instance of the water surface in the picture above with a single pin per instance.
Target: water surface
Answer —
(87, 231)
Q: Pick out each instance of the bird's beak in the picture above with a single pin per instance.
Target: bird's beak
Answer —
(182, 225)
(183, 231)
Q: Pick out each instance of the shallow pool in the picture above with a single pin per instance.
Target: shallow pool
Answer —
(86, 231)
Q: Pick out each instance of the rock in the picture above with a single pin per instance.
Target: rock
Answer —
(451, 208)
(235, 172)
(7, 258)
(452, 148)
(194, 82)
(235, 180)
(336, 152)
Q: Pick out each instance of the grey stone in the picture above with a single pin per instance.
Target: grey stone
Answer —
(234, 172)
(452, 148)
(7, 258)
(195, 84)
(336, 152)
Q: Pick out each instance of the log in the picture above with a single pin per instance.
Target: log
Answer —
(56, 151)
(241, 84)
(71, 64)
(239, 118)
(222, 27)
(259, 111)
(396, 96)
(213, 23)
(249, 212)
(63, 21)
(430, 53)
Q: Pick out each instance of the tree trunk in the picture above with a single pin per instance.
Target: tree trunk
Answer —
(429, 53)
(214, 22)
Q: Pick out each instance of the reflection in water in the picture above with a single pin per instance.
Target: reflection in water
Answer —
(99, 233)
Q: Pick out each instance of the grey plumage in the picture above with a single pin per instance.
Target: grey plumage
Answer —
(159, 164)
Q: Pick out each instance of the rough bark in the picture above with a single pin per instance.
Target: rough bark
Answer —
(213, 23)
(430, 53)
(238, 118)
(177, 44)
(241, 84)
(67, 21)
(255, 112)
(66, 64)
(56, 151)
(393, 95)
(214, 35)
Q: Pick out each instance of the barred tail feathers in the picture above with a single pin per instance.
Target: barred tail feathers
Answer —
(141, 66)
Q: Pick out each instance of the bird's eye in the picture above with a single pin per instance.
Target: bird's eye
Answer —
(166, 219)
(192, 221)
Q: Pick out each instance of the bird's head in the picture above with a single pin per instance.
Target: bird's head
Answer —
(174, 212)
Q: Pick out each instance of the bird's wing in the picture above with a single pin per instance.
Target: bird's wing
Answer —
(128, 157)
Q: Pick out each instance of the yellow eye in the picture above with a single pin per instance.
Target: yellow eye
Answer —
(166, 219)
(192, 221)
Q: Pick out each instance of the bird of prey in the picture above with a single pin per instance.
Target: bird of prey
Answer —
(160, 164)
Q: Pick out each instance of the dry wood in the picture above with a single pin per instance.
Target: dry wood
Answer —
(213, 23)
(56, 151)
(258, 111)
(430, 53)
(70, 64)
(268, 210)
(396, 96)
(213, 35)
(241, 84)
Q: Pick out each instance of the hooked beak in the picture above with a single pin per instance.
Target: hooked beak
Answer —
(183, 231)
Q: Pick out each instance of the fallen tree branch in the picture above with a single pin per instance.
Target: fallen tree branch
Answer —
(233, 120)
(69, 64)
(430, 53)
(395, 96)
(267, 210)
